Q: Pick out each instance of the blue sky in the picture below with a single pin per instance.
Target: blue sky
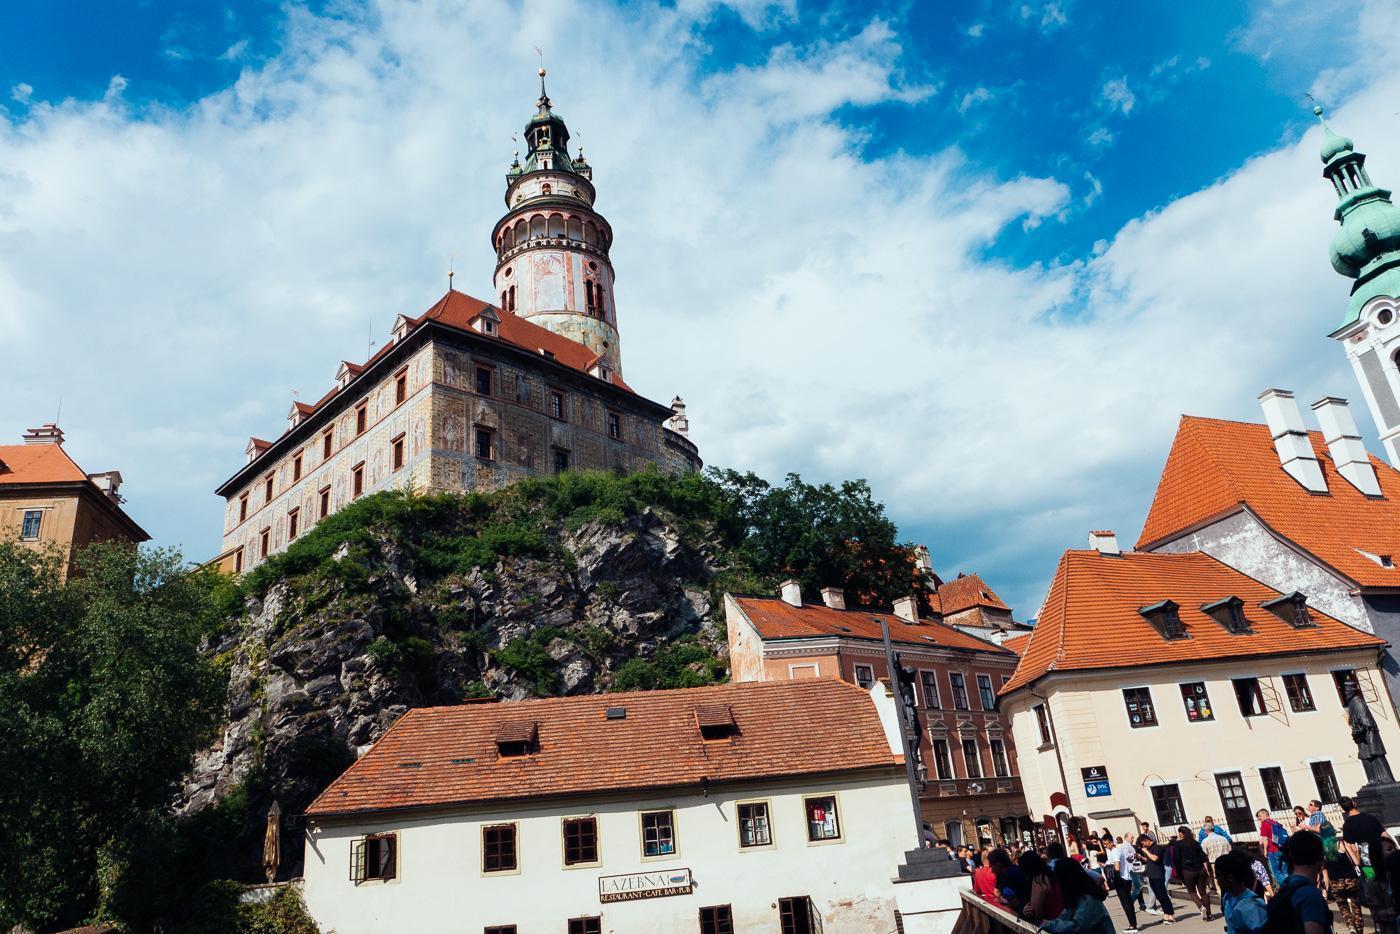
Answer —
(984, 254)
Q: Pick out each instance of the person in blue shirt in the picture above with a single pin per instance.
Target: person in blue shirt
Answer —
(1241, 907)
(1298, 902)
(1208, 826)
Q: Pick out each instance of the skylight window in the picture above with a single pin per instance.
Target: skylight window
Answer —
(1165, 617)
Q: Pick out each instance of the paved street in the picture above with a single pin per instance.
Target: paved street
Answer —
(1188, 917)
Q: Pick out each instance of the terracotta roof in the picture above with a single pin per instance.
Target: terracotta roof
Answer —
(436, 756)
(1217, 466)
(968, 590)
(776, 619)
(1017, 644)
(1090, 618)
(37, 463)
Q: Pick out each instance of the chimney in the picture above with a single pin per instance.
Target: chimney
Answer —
(109, 482)
(1344, 444)
(791, 592)
(834, 597)
(1291, 440)
(678, 421)
(1105, 542)
(47, 433)
(907, 609)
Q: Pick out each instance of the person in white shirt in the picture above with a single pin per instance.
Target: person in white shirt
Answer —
(1119, 872)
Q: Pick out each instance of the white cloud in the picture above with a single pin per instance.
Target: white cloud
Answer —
(1116, 95)
(1099, 137)
(978, 95)
(235, 52)
(21, 93)
(820, 311)
(975, 31)
(1047, 17)
(1095, 189)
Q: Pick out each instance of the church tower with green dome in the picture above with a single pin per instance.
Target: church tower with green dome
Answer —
(1367, 249)
(551, 245)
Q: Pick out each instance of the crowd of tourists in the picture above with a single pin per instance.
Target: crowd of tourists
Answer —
(1281, 885)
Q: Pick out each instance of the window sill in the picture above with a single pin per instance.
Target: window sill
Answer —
(826, 842)
(1045, 747)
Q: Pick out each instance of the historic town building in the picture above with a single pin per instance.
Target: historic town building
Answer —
(971, 784)
(1298, 510)
(48, 500)
(1170, 687)
(737, 807)
(471, 396)
(1367, 249)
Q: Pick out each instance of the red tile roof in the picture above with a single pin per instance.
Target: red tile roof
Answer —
(1090, 619)
(968, 590)
(777, 619)
(37, 463)
(1017, 644)
(1217, 466)
(437, 756)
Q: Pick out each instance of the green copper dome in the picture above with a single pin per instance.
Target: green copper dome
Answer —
(1332, 144)
(1370, 229)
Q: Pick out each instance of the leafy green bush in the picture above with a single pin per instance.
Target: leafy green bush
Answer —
(529, 657)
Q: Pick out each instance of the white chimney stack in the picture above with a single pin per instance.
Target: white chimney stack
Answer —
(47, 433)
(1344, 444)
(1295, 450)
(907, 609)
(834, 597)
(1105, 542)
(791, 592)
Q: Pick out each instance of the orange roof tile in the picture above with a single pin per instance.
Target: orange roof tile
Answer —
(777, 619)
(968, 590)
(437, 756)
(1090, 618)
(1216, 466)
(37, 463)
(1017, 644)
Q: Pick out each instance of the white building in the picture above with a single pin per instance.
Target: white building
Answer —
(1169, 687)
(761, 806)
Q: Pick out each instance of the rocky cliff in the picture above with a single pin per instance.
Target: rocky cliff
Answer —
(403, 601)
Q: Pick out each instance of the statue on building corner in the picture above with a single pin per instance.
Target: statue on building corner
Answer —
(1370, 749)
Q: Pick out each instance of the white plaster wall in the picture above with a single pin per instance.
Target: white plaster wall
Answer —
(441, 887)
(1093, 729)
(1243, 543)
(745, 647)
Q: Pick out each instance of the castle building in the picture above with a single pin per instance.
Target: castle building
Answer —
(47, 500)
(470, 395)
(1367, 249)
(971, 786)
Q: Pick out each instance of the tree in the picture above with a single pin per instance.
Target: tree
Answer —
(823, 535)
(105, 698)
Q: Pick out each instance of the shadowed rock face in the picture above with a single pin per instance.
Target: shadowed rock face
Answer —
(318, 670)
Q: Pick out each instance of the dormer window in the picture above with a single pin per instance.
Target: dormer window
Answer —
(400, 328)
(716, 722)
(518, 738)
(1165, 618)
(1229, 613)
(1292, 608)
(602, 371)
(488, 322)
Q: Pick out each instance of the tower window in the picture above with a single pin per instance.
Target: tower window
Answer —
(357, 480)
(614, 426)
(486, 444)
(483, 380)
(545, 189)
(1384, 317)
(397, 448)
(325, 502)
(590, 301)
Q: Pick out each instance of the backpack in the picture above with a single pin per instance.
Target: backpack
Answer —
(1282, 913)
(1280, 834)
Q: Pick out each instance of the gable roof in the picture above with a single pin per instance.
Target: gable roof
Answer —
(1090, 619)
(1018, 644)
(37, 463)
(965, 591)
(777, 619)
(439, 756)
(1217, 466)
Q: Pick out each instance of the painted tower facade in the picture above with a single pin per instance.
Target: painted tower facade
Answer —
(551, 246)
(1367, 249)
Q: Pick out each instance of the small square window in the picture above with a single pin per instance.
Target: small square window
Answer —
(486, 444)
(614, 426)
(1196, 701)
(357, 481)
(865, 676)
(822, 823)
(716, 919)
(754, 828)
(1141, 712)
(658, 834)
(556, 404)
(580, 841)
(498, 853)
(361, 418)
(293, 523)
(325, 502)
(592, 925)
(483, 380)
(34, 520)
(396, 448)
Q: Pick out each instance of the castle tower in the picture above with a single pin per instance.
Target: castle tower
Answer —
(1367, 249)
(551, 246)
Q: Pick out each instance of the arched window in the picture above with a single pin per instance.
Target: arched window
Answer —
(590, 302)
(508, 240)
(537, 226)
(590, 234)
(575, 229)
(510, 298)
(522, 231)
(556, 225)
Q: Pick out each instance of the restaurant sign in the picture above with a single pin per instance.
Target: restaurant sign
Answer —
(640, 885)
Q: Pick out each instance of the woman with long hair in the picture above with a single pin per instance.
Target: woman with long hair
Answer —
(1045, 901)
(1083, 897)
(1190, 862)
